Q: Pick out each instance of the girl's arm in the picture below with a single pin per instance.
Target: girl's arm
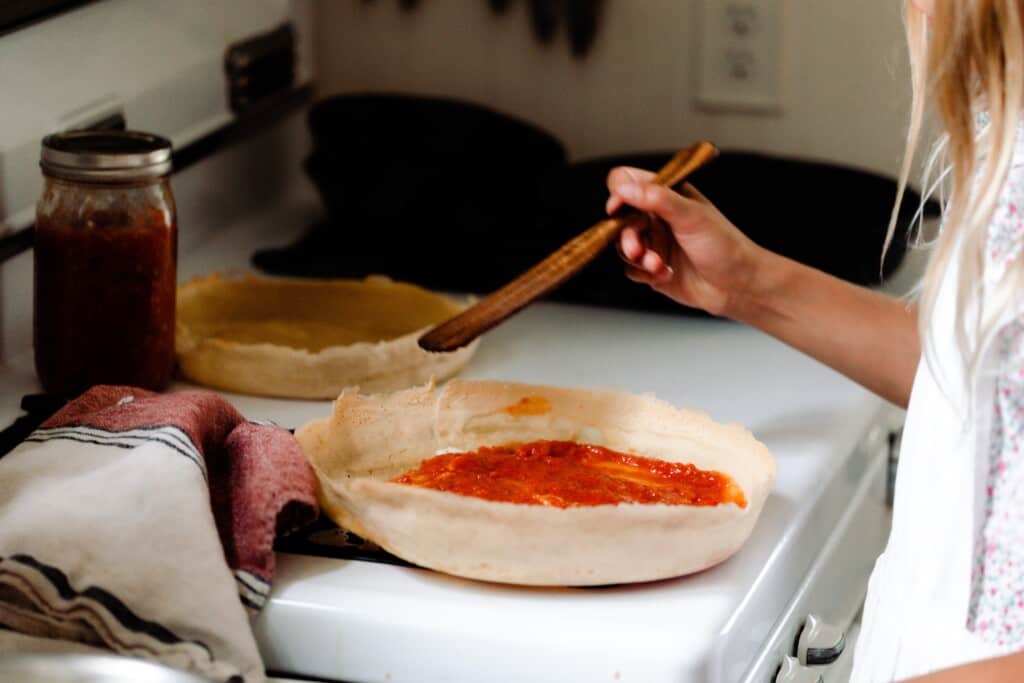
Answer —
(690, 252)
(869, 337)
(1009, 669)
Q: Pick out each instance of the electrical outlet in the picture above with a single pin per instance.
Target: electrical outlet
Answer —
(740, 59)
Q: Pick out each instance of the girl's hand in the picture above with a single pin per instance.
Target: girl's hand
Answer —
(687, 250)
(690, 252)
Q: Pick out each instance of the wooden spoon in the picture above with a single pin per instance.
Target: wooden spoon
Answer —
(559, 266)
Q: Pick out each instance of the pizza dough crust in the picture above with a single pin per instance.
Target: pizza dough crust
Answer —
(370, 438)
(299, 338)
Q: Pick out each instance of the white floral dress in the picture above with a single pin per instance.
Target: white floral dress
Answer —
(996, 610)
(949, 588)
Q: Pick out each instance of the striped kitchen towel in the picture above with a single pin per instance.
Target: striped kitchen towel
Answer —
(144, 524)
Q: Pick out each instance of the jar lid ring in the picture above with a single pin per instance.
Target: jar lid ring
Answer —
(105, 155)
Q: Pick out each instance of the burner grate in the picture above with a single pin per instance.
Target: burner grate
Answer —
(325, 539)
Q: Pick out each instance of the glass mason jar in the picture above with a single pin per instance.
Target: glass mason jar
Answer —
(105, 262)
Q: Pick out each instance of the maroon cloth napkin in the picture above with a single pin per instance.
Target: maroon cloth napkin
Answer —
(143, 523)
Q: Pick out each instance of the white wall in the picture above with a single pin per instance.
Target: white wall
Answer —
(845, 91)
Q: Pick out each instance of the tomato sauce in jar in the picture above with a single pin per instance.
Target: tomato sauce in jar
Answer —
(105, 263)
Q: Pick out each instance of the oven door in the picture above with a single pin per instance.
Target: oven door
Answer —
(818, 629)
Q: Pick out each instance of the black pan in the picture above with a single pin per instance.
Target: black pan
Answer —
(411, 183)
(457, 196)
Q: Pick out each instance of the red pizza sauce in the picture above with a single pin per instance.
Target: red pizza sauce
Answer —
(566, 474)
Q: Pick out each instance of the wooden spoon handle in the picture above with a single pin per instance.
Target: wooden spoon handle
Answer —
(559, 266)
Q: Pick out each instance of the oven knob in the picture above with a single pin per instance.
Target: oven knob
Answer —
(818, 642)
(792, 672)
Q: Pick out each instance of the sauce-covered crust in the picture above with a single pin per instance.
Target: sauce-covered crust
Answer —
(370, 439)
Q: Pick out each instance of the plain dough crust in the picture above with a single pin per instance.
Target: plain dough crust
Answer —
(371, 438)
(275, 369)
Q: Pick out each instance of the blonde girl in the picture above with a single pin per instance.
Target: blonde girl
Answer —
(946, 600)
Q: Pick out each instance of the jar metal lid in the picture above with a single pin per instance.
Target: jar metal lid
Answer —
(105, 155)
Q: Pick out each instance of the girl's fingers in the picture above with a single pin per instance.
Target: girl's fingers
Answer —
(631, 241)
(652, 262)
(677, 211)
(626, 175)
(635, 249)
(691, 192)
(641, 258)
(612, 205)
(623, 175)
(642, 276)
(631, 247)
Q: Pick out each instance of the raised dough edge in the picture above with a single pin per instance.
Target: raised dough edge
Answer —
(286, 372)
(370, 438)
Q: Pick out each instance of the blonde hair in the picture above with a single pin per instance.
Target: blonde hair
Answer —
(967, 59)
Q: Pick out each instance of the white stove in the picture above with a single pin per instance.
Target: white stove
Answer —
(355, 620)
(811, 551)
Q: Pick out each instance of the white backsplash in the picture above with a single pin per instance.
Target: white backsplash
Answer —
(845, 88)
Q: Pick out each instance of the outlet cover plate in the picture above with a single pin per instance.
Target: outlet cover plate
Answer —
(739, 65)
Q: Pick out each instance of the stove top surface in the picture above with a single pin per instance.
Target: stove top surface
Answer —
(342, 609)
